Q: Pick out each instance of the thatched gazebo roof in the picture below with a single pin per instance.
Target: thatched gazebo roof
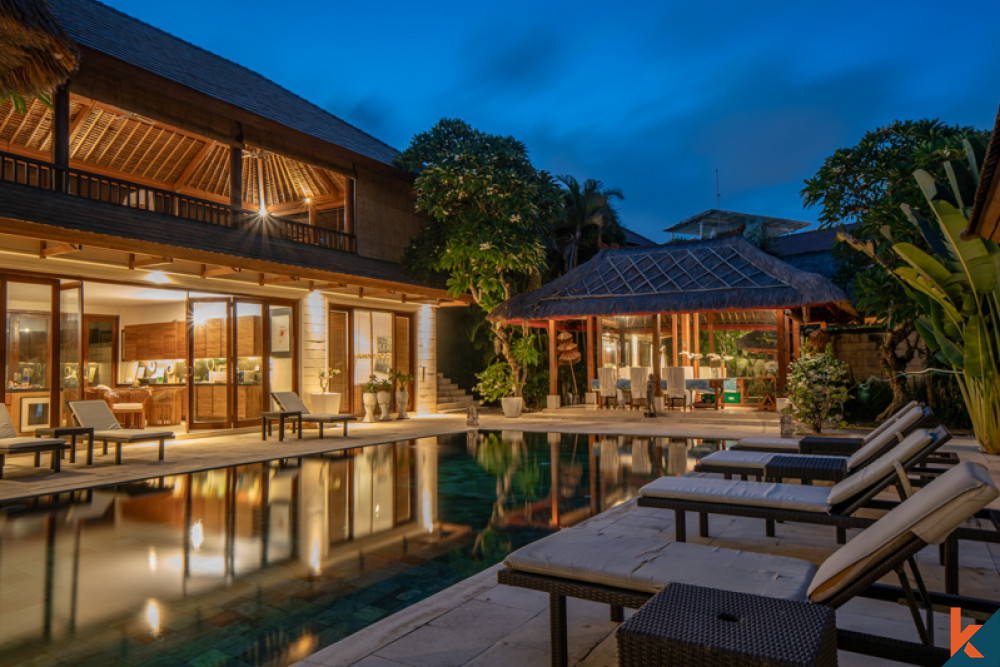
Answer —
(984, 221)
(726, 273)
(36, 55)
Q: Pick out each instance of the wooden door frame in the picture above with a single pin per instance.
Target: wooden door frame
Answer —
(265, 353)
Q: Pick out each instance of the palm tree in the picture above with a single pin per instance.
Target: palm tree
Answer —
(589, 204)
(36, 55)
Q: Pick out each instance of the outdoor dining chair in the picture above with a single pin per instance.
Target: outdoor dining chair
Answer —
(606, 385)
(626, 561)
(97, 415)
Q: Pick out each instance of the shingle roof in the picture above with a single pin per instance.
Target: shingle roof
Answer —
(699, 276)
(715, 221)
(634, 239)
(814, 240)
(120, 36)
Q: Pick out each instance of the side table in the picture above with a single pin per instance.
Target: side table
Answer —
(806, 468)
(72, 432)
(693, 625)
(267, 419)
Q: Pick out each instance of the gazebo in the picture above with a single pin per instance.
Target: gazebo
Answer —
(622, 298)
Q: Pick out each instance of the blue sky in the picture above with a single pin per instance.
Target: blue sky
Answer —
(651, 98)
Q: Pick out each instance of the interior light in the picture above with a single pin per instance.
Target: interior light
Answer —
(262, 211)
(308, 200)
(158, 277)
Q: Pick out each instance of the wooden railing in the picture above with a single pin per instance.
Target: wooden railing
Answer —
(86, 185)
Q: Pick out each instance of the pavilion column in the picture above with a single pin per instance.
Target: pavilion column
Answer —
(599, 342)
(60, 136)
(656, 355)
(236, 180)
(710, 328)
(796, 339)
(685, 333)
(696, 343)
(553, 399)
(782, 349)
(673, 337)
(591, 374)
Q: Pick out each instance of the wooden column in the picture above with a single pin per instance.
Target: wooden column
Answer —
(622, 343)
(782, 349)
(236, 179)
(696, 340)
(710, 328)
(656, 354)
(553, 363)
(349, 207)
(673, 337)
(796, 340)
(685, 334)
(599, 344)
(60, 135)
(591, 373)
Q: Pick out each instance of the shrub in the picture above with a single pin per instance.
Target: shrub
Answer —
(817, 385)
(496, 382)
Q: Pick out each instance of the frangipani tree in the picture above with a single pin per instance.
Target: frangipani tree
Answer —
(956, 289)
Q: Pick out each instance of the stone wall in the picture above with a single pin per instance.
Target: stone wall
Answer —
(426, 359)
(860, 352)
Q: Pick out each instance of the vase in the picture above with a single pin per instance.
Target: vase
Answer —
(369, 401)
(402, 398)
(512, 406)
(384, 405)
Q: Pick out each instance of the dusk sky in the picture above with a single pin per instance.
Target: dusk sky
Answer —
(651, 98)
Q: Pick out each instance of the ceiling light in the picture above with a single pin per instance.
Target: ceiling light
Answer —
(158, 277)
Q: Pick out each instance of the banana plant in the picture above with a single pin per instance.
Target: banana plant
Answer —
(957, 291)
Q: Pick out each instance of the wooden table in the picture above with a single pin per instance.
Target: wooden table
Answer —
(133, 413)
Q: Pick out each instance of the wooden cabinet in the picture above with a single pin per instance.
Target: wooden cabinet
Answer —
(160, 340)
(249, 337)
(209, 339)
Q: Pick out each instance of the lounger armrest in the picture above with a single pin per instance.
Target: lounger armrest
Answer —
(830, 446)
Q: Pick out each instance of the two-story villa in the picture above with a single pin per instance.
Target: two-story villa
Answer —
(178, 223)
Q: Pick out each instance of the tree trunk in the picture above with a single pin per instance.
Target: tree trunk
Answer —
(894, 365)
(501, 345)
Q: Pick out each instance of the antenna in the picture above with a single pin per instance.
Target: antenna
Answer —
(718, 197)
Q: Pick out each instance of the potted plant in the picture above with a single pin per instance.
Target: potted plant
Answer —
(369, 398)
(384, 398)
(329, 402)
(497, 383)
(401, 379)
(817, 386)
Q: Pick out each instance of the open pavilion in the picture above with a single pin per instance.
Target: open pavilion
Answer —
(669, 303)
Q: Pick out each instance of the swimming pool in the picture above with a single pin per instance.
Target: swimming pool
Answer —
(263, 564)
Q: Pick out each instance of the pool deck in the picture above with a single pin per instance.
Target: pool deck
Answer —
(478, 622)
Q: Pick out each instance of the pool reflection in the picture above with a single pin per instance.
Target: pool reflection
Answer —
(266, 562)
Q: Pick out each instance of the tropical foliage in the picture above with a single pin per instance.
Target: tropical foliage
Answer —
(496, 382)
(817, 386)
(955, 289)
(589, 219)
(863, 187)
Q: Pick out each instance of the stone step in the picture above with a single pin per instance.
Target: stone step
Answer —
(460, 406)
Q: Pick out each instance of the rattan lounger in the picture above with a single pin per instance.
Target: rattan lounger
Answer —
(11, 444)
(98, 416)
(289, 401)
(624, 562)
(836, 446)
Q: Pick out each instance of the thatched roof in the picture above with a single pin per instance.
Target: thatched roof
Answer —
(725, 273)
(35, 53)
(984, 221)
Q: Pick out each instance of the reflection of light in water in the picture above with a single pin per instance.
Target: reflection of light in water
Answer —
(314, 556)
(376, 509)
(153, 617)
(197, 535)
(152, 559)
(302, 647)
(428, 523)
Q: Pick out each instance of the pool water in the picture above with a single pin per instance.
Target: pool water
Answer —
(264, 564)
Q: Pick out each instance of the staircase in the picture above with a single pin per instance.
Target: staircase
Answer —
(451, 397)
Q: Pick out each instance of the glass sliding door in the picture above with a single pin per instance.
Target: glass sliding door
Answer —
(209, 352)
(70, 347)
(30, 362)
(340, 358)
(372, 348)
(279, 333)
(249, 362)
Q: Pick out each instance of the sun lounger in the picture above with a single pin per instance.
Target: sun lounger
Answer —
(757, 464)
(842, 446)
(98, 416)
(624, 562)
(289, 401)
(11, 444)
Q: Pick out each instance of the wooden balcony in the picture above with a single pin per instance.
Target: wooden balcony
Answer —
(41, 175)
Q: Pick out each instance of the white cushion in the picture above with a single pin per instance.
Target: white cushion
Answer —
(890, 420)
(606, 381)
(739, 458)
(736, 492)
(643, 564)
(857, 482)
(893, 430)
(790, 445)
(931, 514)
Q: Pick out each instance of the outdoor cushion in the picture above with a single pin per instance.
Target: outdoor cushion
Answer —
(931, 514)
(7, 429)
(736, 492)
(862, 479)
(790, 445)
(289, 401)
(644, 564)
(131, 435)
(12, 445)
(891, 431)
(94, 414)
(739, 458)
(326, 417)
(888, 421)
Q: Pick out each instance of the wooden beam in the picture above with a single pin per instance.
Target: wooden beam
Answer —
(50, 249)
(277, 280)
(141, 262)
(553, 366)
(75, 126)
(193, 164)
(319, 285)
(213, 271)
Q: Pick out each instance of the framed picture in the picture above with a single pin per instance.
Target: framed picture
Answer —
(280, 334)
(34, 413)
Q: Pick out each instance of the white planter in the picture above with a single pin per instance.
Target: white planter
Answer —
(325, 403)
(384, 405)
(512, 406)
(369, 400)
(402, 398)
